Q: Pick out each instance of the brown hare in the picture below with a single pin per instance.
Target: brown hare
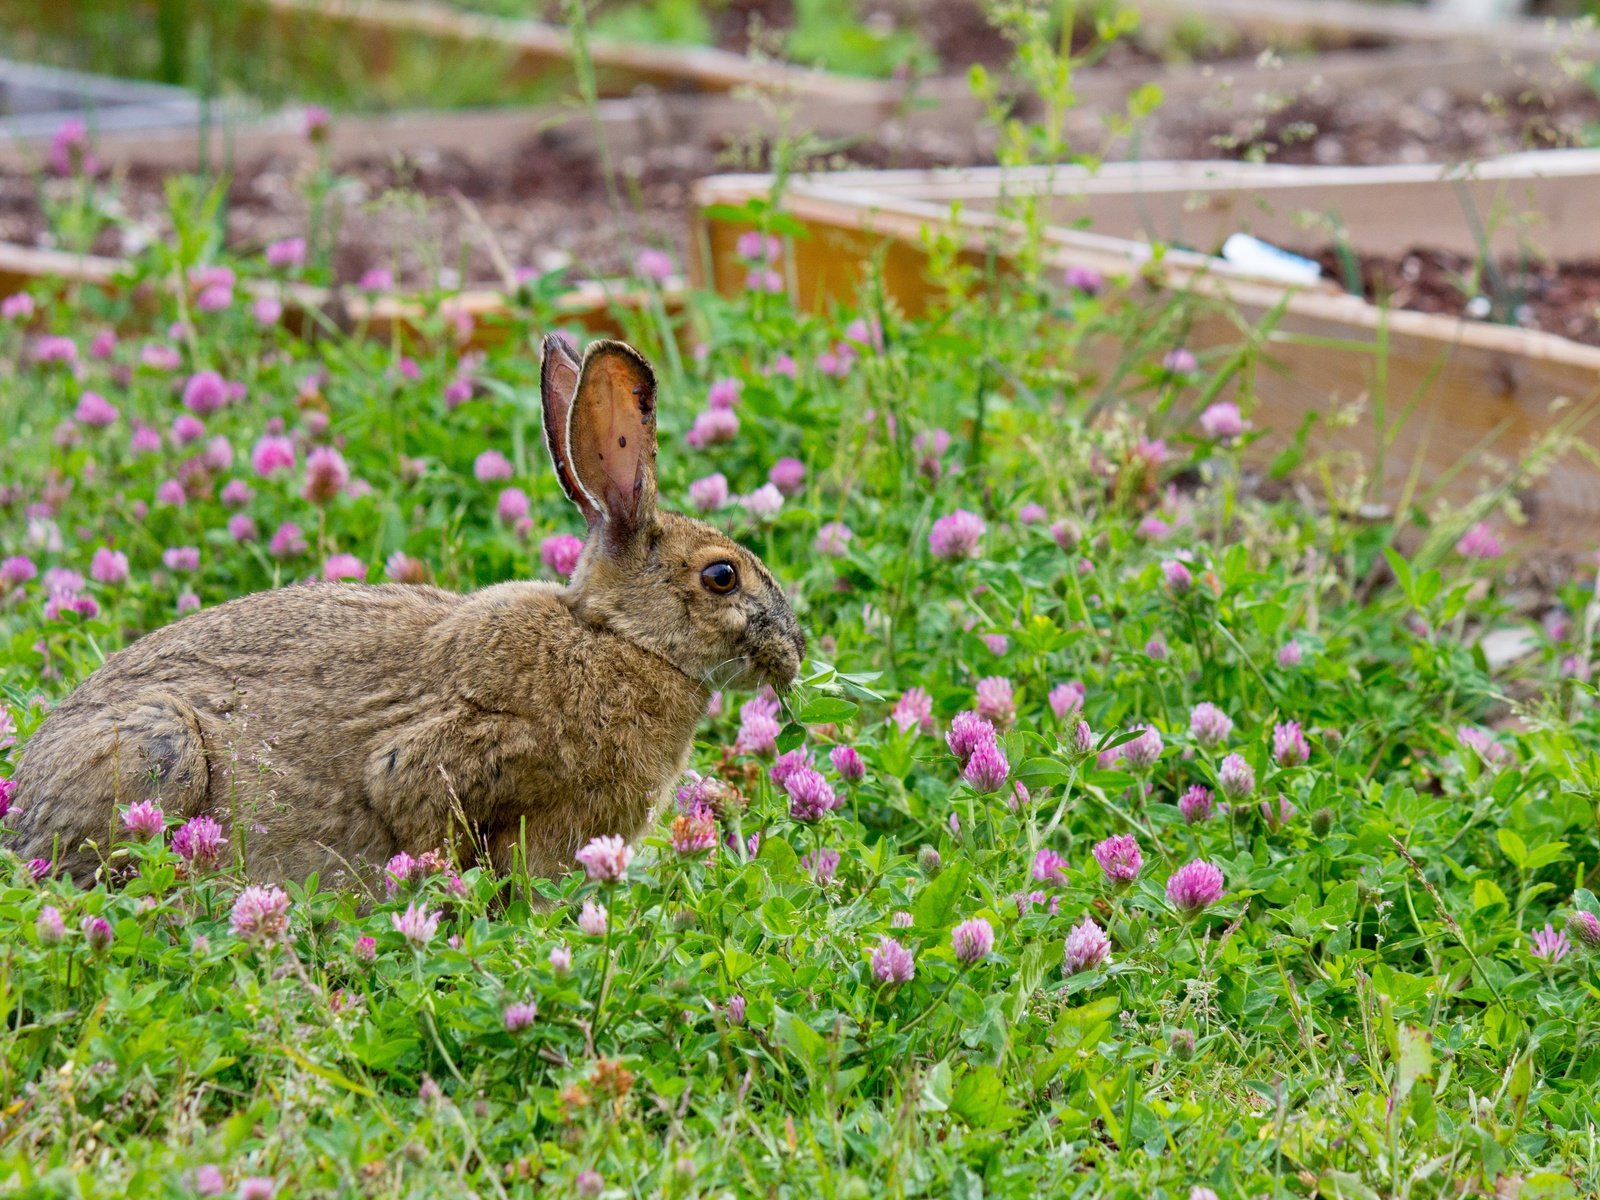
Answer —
(335, 725)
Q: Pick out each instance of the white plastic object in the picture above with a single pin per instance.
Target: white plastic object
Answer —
(1268, 261)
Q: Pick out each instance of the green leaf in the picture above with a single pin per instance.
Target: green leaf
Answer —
(979, 1100)
(1083, 1025)
(790, 737)
(1545, 854)
(802, 1041)
(1416, 1059)
(778, 917)
(325, 1073)
(1342, 1185)
(1291, 455)
(1042, 772)
(778, 857)
(936, 1089)
(379, 1052)
(1547, 1185)
(1514, 847)
(1030, 974)
(826, 710)
(1485, 894)
(936, 907)
(1146, 98)
(1402, 572)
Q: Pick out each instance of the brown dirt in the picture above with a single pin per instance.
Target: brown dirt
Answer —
(958, 32)
(545, 208)
(541, 207)
(1433, 125)
(1562, 298)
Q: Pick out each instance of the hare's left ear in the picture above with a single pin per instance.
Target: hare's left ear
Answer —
(611, 440)
(558, 384)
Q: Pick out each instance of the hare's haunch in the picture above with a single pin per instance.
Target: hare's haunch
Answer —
(334, 725)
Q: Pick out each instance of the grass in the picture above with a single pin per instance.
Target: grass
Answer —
(1380, 999)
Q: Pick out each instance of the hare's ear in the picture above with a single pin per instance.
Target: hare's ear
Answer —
(558, 384)
(611, 437)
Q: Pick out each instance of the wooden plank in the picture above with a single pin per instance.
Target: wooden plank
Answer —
(1230, 88)
(21, 266)
(1482, 393)
(1546, 202)
(541, 49)
(629, 126)
(592, 304)
(1335, 21)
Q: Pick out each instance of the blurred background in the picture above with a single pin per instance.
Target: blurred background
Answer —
(487, 141)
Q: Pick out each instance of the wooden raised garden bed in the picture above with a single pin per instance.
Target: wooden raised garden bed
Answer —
(593, 304)
(535, 49)
(1477, 393)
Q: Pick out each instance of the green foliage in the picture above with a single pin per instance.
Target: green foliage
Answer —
(1379, 1004)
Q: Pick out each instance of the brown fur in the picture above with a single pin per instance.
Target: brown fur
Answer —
(337, 724)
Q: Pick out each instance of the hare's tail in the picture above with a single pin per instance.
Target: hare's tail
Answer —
(83, 766)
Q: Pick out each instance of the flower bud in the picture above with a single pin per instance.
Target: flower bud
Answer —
(1585, 929)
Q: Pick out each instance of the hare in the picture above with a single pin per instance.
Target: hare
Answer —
(335, 725)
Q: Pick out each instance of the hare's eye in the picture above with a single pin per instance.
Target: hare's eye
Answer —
(720, 577)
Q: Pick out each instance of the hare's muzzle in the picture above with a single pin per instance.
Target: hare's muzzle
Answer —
(775, 659)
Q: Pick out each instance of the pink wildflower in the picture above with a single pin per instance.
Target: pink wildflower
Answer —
(996, 702)
(561, 553)
(260, 914)
(200, 842)
(1049, 867)
(144, 819)
(1237, 778)
(724, 394)
(343, 566)
(519, 1016)
(1066, 700)
(1195, 886)
(1086, 948)
(972, 940)
(914, 710)
(987, 769)
(109, 566)
(847, 761)
(1289, 745)
(605, 859)
(1479, 542)
(892, 963)
(491, 467)
(956, 536)
(327, 474)
(968, 731)
(788, 475)
(592, 919)
(710, 493)
(1209, 724)
(1195, 804)
(654, 265)
(1119, 858)
(417, 925)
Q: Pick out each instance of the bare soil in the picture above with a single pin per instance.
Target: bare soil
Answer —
(435, 214)
(1380, 126)
(1561, 298)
